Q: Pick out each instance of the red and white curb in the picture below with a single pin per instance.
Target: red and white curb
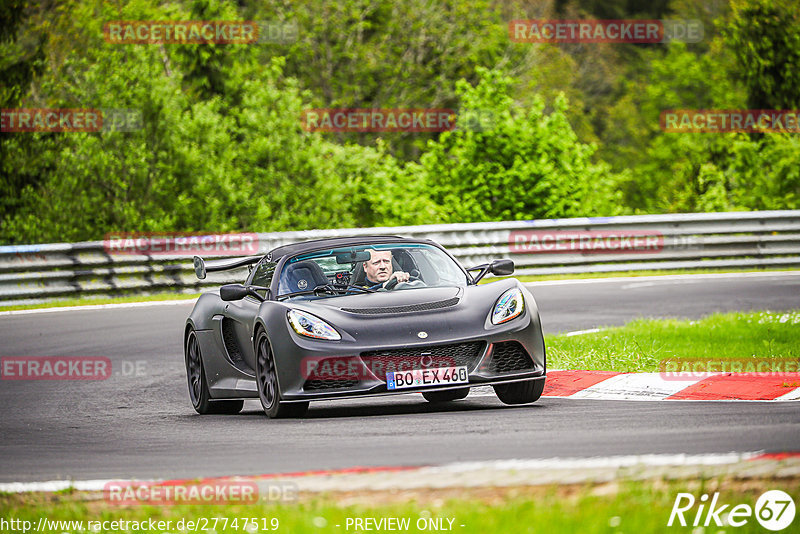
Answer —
(657, 386)
(611, 385)
(491, 473)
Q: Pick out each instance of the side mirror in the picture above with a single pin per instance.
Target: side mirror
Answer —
(502, 267)
(230, 292)
(497, 267)
(199, 267)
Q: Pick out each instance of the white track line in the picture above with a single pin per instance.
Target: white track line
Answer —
(603, 461)
(582, 332)
(54, 485)
(121, 305)
(791, 396)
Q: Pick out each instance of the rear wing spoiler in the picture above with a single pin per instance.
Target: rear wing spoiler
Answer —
(201, 269)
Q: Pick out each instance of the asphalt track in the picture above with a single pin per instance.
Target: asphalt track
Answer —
(139, 423)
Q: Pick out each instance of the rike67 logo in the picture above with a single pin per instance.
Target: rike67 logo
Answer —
(774, 510)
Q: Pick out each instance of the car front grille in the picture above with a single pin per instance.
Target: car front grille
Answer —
(426, 357)
(328, 383)
(335, 372)
(509, 357)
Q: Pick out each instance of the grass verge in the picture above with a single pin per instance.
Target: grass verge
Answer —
(619, 506)
(641, 345)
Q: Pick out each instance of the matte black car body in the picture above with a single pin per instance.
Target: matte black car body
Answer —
(451, 322)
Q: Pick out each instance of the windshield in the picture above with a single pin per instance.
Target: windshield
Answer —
(366, 268)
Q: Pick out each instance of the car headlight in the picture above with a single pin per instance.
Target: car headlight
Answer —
(308, 325)
(509, 305)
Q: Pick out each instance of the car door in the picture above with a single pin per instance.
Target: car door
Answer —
(239, 318)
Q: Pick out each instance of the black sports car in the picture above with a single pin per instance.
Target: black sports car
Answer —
(355, 317)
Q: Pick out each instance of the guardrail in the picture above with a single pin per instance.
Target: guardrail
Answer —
(36, 273)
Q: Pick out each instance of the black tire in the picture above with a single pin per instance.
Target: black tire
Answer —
(198, 385)
(520, 392)
(446, 395)
(267, 382)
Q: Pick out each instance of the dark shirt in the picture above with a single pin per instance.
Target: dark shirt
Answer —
(369, 284)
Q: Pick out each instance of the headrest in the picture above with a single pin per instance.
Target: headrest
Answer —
(302, 276)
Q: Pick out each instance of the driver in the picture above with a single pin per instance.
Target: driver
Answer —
(379, 269)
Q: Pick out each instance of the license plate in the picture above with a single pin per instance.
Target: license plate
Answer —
(440, 376)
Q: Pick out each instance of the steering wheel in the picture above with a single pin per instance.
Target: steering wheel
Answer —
(391, 284)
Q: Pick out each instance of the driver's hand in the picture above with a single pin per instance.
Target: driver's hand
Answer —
(401, 276)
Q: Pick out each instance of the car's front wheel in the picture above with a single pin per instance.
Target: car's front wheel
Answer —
(523, 392)
(198, 386)
(446, 395)
(267, 381)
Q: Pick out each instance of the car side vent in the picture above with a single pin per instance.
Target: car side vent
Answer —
(229, 338)
(425, 306)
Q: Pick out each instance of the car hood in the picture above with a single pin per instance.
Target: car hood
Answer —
(399, 301)
(398, 317)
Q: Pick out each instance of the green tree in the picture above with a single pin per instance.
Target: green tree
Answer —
(526, 164)
(21, 60)
(387, 54)
(687, 172)
(764, 36)
(668, 165)
(239, 161)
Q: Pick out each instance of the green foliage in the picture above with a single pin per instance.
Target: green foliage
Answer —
(11, 15)
(527, 164)
(198, 164)
(697, 172)
(20, 62)
(573, 129)
(384, 54)
(764, 35)
(207, 67)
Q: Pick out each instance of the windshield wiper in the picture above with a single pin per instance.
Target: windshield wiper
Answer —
(358, 288)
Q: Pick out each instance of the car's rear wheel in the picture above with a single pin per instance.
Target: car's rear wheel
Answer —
(198, 385)
(447, 395)
(267, 380)
(520, 392)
